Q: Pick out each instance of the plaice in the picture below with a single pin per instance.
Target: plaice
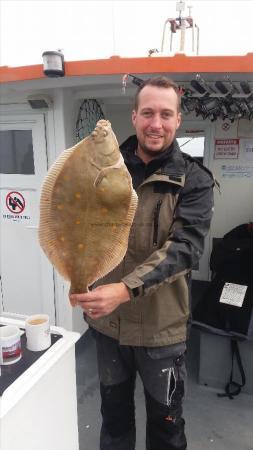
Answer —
(87, 208)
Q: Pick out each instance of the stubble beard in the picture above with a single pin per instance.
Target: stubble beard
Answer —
(151, 152)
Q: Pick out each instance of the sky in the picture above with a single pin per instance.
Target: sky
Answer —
(85, 29)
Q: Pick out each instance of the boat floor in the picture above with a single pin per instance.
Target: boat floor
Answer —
(212, 423)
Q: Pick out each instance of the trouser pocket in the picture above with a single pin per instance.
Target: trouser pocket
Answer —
(163, 372)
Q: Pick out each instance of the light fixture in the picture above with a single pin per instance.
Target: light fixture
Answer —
(40, 101)
(53, 64)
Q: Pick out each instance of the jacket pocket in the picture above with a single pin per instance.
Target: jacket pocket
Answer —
(156, 222)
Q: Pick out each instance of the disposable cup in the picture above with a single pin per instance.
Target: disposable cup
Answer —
(37, 328)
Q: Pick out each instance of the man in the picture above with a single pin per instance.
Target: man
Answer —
(139, 314)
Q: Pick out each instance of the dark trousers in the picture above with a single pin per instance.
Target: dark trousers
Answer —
(163, 374)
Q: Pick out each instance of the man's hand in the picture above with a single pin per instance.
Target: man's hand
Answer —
(102, 300)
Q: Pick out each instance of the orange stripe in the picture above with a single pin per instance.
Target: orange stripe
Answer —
(116, 65)
(8, 74)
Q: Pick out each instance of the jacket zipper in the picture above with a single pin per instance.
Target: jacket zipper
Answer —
(156, 221)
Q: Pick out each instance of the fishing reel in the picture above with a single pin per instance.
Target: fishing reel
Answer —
(250, 106)
(208, 107)
(230, 111)
(219, 99)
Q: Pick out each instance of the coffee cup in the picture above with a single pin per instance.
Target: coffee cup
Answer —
(37, 328)
(10, 344)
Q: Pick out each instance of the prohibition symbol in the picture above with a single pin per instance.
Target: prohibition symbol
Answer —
(15, 202)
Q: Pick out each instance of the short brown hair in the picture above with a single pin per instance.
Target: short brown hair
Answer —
(161, 82)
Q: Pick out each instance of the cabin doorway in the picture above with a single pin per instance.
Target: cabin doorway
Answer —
(194, 139)
(27, 278)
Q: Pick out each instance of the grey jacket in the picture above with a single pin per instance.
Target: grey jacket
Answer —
(166, 241)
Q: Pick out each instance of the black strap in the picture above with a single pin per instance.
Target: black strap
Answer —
(233, 388)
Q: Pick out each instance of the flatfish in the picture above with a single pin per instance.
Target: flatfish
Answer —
(87, 207)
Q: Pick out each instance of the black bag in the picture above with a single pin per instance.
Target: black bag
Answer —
(231, 263)
(232, 256)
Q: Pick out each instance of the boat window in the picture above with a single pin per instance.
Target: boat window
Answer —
(16, 152)
(193, 145)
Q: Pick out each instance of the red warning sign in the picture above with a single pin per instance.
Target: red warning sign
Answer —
(15, 202)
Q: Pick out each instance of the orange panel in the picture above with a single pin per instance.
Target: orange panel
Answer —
(176, 64)
(8, 74)
(116, 65)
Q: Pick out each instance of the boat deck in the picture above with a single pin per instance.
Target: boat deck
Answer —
(212, 423)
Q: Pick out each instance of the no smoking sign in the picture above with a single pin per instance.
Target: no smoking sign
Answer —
(15, 202)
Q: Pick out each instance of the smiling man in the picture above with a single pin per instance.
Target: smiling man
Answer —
(140, 311)
(156, 118)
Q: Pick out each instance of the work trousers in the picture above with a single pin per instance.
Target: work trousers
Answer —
(163, 374)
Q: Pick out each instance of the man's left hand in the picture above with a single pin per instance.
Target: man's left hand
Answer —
(102, 300)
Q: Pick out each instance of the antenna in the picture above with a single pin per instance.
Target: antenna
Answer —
(180, 6)
(190, 10)
(181, 24)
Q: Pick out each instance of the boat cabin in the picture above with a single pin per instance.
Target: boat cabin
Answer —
(42, 114)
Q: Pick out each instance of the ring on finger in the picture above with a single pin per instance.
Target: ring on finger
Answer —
(90, 311)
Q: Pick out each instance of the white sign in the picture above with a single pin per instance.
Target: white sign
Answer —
(226, 149)
(247, 149)
(233, 294)
(15, 206)
(236, 171)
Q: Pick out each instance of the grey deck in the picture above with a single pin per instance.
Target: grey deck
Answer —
(212, 423)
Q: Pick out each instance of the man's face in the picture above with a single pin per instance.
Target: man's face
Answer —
(156, 120)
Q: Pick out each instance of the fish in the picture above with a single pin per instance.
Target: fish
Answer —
(87, 207)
